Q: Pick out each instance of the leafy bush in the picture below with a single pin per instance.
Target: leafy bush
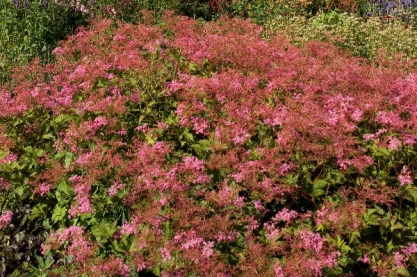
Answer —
(129, 10)
(362, 38)
(263, 11)
(191, 149)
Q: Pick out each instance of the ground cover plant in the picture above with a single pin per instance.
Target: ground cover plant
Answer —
(190, 149)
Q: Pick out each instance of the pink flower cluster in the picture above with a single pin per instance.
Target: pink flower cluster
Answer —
(5, 218)
(405, 177)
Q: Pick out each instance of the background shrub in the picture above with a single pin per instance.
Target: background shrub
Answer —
(358, 36)
(264, 11)
(32, 31)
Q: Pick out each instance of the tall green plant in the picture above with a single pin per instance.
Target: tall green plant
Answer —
(33, 30)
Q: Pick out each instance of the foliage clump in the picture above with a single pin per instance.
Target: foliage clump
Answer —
(368, 38)
(189, 149)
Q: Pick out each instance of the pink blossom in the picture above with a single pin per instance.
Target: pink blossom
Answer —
(284, 168)
(142, 128)
(115, 188)
(405, 177)
(278, 270)
(84, 158)
(5, 218)
(162, 125)
(365, 259)
(367, 137)
(122, 132)
(252, 224)
(191, 162)
(357, 115)
(129, 228)
(192, 243)
(200, 125)
(75, 179)
(315, 265)
(163, 201)
(141, 267)
(409, 139)
(58, 50)
(312, 241)
(240, 138)
(330, 260)
(111, 76)
(343, 163)
(11, 157)
(239, 202)
(44, 189)
(411, 249)
(82, 205)
(166, 255)
(58, 238)
(173, 86)
(258, 205)
(272, 231)
(207, 250)
(4, 184)
(285, 215)
(394, 143)
(226, 237)
(398, 259)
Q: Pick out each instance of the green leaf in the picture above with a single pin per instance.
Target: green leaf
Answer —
(157, 271)
(412, 192)
(379, 210)
(59, 213)
(48, 136)
(38, 211)
(118, 247)
(40, 261)
(318, 188)
(104, 231)
(68, 158)
(353, 236)
(49, 261)
(64, 188)
(403, 271)
(371, 218)
(134, 245)
(390, 246)
(192, 67)
(188, 135)
(381, 152)
(20, 190)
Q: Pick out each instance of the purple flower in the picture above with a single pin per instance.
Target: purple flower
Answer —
(390, 4)
(405, 2)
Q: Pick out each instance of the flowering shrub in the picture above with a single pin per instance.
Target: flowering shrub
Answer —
(203, 150)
